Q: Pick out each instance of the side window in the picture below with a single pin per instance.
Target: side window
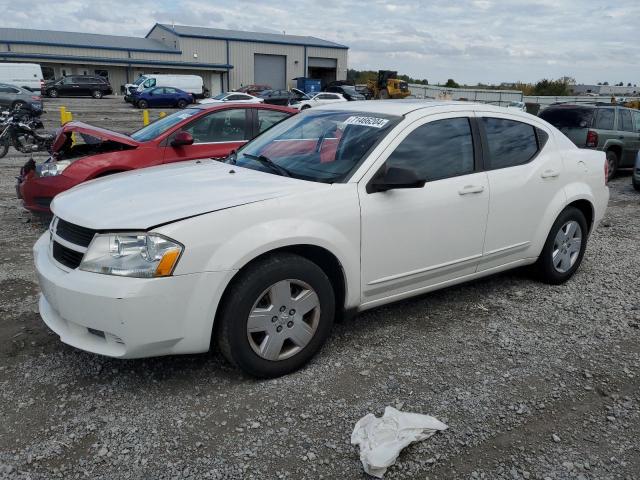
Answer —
(437, 150)
(169, 90)
(5, 90)
(636, 119)
(149, 83)
(510, 142)
(268, 118)
(625, 121)
(221, 126)
(235, 98)
(605, 118)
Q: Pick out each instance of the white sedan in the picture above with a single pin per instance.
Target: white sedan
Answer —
(235, 97)
(336, 210)
(305, 100)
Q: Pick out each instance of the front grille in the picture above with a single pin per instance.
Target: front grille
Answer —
(74, 233)
(66, 256)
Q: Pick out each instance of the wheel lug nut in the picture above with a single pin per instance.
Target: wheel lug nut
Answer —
(274, 319)
(290, 324)
(292, 312)
(279, 329)
(283, 308)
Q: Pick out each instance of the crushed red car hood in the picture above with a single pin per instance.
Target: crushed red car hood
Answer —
(97, 132)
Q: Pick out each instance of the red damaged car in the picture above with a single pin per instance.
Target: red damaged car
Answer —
(82, 152)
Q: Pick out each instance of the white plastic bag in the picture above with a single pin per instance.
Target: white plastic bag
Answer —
(382, 439)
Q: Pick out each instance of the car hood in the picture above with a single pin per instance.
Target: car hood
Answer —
(141, 199)
(101, 134)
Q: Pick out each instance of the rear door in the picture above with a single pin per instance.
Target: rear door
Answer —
(631, 140)
(7, 94)
(215, 135)
(523, 178)
(69, 87)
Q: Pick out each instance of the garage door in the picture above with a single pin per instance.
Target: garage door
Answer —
(270, 70)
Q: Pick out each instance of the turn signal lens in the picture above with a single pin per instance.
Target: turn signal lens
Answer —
(169, 260)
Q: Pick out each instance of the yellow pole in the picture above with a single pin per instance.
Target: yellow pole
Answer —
(163, 114)
(63, 115)
(145, 117)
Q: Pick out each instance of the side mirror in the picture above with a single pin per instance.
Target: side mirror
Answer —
(393, 178)
(182, 139)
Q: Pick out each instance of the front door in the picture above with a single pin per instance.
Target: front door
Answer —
(416, 238)
(524, 178)
(631, 139)
(214, 135)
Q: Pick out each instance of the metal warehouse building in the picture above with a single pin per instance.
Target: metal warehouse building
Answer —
(225, 59)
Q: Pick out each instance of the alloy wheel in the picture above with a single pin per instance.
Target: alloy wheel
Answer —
(566, 246)
(283, 320)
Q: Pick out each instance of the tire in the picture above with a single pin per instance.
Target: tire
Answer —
(568, 256)
(53, 93)
(612, 160)
(182, 104)
(254, 289)
(304, 107)
(18, 104)
(97, 94)
(636, 185)
(4, 147)
(142, 104)
(384, 94)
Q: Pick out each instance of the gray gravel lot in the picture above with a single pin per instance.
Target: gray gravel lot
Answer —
(535, 381)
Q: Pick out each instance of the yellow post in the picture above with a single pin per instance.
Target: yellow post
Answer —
(63, 115)
(145, 117)
(163, 114)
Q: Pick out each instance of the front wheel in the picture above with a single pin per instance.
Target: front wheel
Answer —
(304, 107)
(97, 94)
(564, 248)
(142, 104)
(53, 93)
(276, 316)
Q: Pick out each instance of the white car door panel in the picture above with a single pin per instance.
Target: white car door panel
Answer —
(418, 237)
(523, 177)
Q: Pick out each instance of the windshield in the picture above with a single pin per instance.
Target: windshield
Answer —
(350, 90)
(321, 146)
(139, 80)
(568, 117)
(160, 126)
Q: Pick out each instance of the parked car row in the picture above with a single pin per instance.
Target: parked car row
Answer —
(331, 211)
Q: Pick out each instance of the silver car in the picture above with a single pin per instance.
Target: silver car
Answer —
(12, 97)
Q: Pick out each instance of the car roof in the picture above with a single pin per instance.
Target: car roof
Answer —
(403, 107)
(224, 105)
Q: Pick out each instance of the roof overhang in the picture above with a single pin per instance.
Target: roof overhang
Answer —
(115, 61)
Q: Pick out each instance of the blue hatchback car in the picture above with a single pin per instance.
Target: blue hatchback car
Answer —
(162, 97)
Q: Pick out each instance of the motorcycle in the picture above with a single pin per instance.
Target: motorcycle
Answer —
(19, 128)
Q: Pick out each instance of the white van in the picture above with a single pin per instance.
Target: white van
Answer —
(188, 83)
(25, 75)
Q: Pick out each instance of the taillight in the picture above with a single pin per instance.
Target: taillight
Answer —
(606, 172)
(592, 139)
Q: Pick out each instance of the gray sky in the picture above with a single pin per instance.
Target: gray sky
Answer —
(471, 41)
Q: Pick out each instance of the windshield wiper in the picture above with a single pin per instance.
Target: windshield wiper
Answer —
(280, 170)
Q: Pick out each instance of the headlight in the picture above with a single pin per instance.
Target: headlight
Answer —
(138, 255)
(51, 169)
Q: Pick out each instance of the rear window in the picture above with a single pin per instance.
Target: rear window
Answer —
(562, 117)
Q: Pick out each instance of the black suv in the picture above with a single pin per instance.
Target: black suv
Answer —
(609, 128)
(77, 86)
(348, 91)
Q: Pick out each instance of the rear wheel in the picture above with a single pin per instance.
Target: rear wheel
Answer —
(142, 104)
(4, 147)
(17, 105)
(564, 248)
(276, 316)
(636, 184)
(182, 104)
(96, 94)
(612, 163)
(53, 93)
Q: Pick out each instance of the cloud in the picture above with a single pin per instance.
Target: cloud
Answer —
(469, 40)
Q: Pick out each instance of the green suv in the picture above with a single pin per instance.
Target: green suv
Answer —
(609, 128)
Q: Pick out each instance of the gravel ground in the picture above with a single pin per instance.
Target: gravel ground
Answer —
(535, 381)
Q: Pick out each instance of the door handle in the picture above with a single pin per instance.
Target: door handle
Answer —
(550, 174)
(468, 189)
